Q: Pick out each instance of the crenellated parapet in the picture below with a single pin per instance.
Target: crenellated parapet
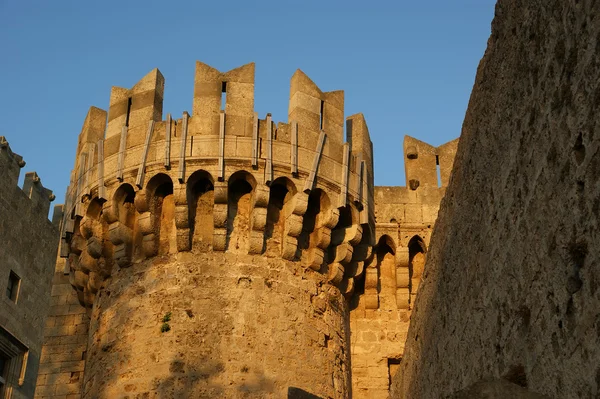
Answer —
(10, 169)
(220, 179)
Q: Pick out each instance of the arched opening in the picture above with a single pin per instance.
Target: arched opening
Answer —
(123, 201)
(97, 245)
(239, 211)
(318, 204)
(162, 209)
(416, 263)
(279, 208)
(200, 198)
(386, 265)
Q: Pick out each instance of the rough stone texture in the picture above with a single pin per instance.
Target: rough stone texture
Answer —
(252, 234)
(381, 307)
(511, 283)
(240, 326)
(65, 341)
(28, 244)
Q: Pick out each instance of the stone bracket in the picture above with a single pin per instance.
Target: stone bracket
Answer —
(167, 162)
(181, 174)
(255, 141)
(121, 159)
(101, 188)
(221, 173)
(139, 181)
(310, 181)
(294, 148)
(269, 163)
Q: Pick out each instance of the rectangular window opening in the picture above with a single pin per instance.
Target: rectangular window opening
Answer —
(393, 366)
(438, 171)
(321, 115)
(13, 361)
(128, 111)
(223, 95)
(12, 288)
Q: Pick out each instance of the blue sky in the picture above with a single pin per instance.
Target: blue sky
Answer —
(408, 66)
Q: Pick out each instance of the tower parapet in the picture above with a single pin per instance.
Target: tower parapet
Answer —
(227, 186)
(10, 169)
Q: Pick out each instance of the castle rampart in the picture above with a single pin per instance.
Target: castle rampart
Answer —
(382, 305)
(271, 222)
(28, 244)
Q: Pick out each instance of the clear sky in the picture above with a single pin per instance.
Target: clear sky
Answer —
(408, 66)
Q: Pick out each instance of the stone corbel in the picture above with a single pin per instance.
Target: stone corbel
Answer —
(182, 223)
(220, 216)
(402, 278)
(259, 219)
(293, 225)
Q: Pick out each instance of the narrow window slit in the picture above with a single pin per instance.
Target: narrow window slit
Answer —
(321, 115)
(223, 95)
(128, 112)
(438, 171)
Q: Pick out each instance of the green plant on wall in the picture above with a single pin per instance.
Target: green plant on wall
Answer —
(165, 325)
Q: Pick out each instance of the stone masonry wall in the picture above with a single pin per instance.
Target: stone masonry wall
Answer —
(240, 326)
(381, 308)
(65, 341)
(510, 289)
(216, 252)
(28, 244)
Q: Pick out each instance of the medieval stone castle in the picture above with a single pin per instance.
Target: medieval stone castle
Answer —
(221, 255)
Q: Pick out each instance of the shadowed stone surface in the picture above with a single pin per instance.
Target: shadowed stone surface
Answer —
(510, 289)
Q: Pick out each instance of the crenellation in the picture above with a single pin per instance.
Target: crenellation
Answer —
(27, 256)
(381, 308)
(37, 193)
(226, 184)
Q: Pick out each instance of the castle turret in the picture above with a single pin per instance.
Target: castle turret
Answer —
(216, 251)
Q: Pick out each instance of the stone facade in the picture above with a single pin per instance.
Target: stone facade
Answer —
(224, 255)
(381, 307)
(28, 245)
(212, 255)
(510, 290)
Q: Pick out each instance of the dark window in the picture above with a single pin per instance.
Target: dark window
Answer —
(12, 289)
(3, 370)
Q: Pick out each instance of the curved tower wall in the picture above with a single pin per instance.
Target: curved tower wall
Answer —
(216, 251)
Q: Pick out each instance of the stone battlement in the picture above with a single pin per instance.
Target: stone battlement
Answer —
(220, 179)
(10, 169)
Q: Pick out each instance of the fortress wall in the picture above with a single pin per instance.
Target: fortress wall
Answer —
(222, 185)
(240, 326)
(510, 285)
(382, 306)
(28, 243)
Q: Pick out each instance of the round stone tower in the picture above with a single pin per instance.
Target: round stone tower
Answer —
(216, 252)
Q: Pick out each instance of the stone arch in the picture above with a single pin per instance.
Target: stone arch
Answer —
(416, 263)
(120, 213)
(99, 250)
(279, 208)
(123, 200)
(200, 199)
(316, 216)
(386, 268)
(240, 190)
(159, 191)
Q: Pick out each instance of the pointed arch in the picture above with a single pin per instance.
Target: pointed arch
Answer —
(314, 218)
(240, 193)
(416, 264)
(386, 266)
(279, 208)
(200, 199)
(159, 191)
